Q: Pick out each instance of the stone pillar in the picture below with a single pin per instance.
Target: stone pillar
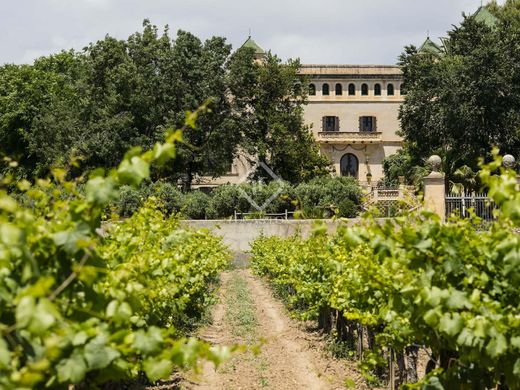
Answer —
(401, 187)
(434, 189)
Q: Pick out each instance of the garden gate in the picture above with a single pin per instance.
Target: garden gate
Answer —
(461, 204)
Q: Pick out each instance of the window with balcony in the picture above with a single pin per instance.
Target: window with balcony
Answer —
(377, 89)
(367, 123)
(364, 90)
(325, 90)
(351, 90)
(312, 89)
(330, 123)
(390, 90)
(339, 89)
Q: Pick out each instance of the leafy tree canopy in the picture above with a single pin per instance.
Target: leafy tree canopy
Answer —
(272, 97)
(465, 100)
(95, 104)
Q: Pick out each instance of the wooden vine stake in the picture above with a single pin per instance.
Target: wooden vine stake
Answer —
(391, 364)
(360, 342)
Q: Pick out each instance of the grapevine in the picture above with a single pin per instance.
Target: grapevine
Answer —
(85, 303)
(415, 281)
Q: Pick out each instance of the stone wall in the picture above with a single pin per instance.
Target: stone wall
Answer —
(240, 233)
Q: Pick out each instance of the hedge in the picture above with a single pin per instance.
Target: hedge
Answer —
(319, 198)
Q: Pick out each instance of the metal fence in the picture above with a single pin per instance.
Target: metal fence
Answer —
(261, 215)
(462, 205)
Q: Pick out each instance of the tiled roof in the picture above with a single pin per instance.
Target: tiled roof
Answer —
(430, 47)
(484, 16)
(253, 45)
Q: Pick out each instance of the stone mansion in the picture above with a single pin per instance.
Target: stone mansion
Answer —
(353, 112)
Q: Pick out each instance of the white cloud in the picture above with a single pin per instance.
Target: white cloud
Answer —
(97, 3)
(326, 31)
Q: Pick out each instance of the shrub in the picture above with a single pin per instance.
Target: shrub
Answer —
(326, 196)
(225, 200)
(347, 209)
(80, 309)
(282, 194)
(285, 199)
(130, 200)
(195, 204)
(451, 287)
(170, 197)
(402, 164)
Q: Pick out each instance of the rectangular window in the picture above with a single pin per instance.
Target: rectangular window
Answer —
(367, 123)
(330, 123)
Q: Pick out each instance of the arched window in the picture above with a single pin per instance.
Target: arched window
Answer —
(377, 89)
(351, 90)
(312, 89)
(390, 90)
(364, 90)
(325, 90)
(349, 165)
(402, 89)
(339, 89)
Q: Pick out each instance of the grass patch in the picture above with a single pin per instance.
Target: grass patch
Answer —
(240, 309)
(263, 368)
(339, 349)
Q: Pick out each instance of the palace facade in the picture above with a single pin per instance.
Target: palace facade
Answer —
(353, 113)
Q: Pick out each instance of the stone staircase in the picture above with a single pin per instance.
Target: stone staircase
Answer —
(390, 201)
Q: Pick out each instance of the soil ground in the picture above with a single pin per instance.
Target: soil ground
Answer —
(289, 357)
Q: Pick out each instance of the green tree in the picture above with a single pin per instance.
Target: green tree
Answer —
(464, 101)
(29, 97)
(117, 112)
(201, 70)
(116, 93)
(510, 8)
(270, 94)
(135, 89)
(401, 164)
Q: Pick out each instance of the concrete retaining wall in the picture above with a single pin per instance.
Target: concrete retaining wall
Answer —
(240, 233)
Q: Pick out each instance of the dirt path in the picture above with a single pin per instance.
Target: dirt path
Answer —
(289, 358)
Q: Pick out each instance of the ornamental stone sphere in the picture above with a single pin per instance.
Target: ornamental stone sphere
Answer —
(508, 161)
(435, 162)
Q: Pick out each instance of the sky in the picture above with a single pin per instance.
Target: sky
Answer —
(316, 31)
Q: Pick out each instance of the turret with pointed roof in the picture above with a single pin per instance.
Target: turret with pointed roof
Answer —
(250, 43)
(430, 47)
(484, 16)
